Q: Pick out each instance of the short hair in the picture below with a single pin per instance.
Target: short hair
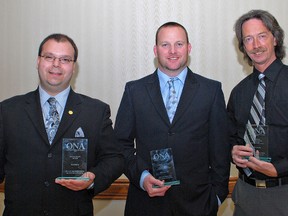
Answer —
(170, 24)
(271, 24)
(59, 38)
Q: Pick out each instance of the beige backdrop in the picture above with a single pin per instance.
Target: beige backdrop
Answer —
(115, 40)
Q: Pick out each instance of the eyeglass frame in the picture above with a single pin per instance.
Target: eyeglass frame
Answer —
(52, 58)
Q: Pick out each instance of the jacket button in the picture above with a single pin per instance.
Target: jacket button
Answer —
(50, 155)
(46, 183)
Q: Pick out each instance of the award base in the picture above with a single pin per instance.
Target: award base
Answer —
(177, 182)
(266, 159)
(80, 178)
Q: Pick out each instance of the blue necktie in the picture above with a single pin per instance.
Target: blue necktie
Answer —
(53, 120)
(172, 100)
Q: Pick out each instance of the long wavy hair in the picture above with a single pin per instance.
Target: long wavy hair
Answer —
(271, 24)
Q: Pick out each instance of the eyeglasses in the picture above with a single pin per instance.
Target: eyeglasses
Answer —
(62, 60)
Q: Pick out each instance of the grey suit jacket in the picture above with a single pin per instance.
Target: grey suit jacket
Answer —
(30, 164)
(197, 136)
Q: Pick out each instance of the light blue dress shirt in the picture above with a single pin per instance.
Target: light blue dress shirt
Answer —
(178, 84)
(60, 105)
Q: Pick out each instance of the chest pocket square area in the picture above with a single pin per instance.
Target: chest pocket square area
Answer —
(79, 132)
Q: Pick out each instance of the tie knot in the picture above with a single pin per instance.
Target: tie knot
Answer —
(52, 101)
(261, 76)
(171, 81)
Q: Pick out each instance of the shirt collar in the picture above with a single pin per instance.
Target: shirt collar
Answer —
(61, 97)
(163, 78)
(271, 71)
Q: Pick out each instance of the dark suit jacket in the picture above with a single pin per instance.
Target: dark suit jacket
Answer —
(197, 137)
(30, 164)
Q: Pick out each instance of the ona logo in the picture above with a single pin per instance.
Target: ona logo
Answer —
(161, 156)
(74, 146)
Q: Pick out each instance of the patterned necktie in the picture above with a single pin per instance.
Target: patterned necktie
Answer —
(172, 100)
(258, 108)
(53, 120)
(257, 114)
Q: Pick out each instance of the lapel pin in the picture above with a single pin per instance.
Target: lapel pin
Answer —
(70, 112)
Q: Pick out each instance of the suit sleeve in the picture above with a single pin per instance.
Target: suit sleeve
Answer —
(219, 145)
(110, 160)
(2, 155)
(125, 129)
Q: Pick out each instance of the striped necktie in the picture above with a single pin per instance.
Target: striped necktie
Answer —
(172, 100)
(258, 108)
(257, 114)
(53, 119)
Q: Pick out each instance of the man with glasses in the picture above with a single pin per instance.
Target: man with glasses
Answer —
(33, 128)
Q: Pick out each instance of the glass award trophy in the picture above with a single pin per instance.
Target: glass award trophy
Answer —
(74, 158)
(260, 142)
(163, 166)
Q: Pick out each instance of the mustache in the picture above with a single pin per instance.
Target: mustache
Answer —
(257, 50)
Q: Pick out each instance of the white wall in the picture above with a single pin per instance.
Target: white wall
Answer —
(115, 40)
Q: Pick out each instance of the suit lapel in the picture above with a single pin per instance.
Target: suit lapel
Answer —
(71, 111)
(34, 111)
(189, 91)
(153, 89)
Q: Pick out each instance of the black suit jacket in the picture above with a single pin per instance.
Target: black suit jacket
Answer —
(197, 137)
(30, 164)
